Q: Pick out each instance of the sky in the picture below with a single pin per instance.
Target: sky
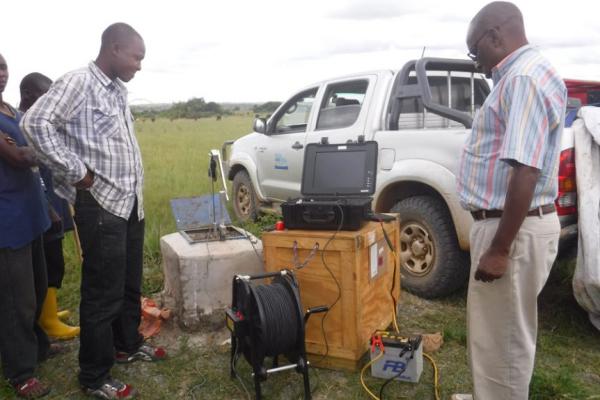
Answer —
(263, 50)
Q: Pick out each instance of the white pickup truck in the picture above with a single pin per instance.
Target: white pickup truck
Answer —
(419, 117)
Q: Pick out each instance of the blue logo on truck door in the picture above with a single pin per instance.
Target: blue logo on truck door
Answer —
(281, 162)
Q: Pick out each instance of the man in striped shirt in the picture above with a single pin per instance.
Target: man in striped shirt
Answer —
(508, 180)
(82, 129)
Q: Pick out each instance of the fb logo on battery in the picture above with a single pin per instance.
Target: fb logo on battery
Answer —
(395, 366)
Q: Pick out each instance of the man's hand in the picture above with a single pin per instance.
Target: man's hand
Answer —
(86, 182)
(492, 265)
(494, 262)
(17, 156)
(8, 139)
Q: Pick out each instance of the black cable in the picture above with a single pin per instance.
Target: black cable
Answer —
(387, 238)
(195, 387)
(339, 295)
(281, 318)
(239, 378)
(297, 264)
(247, 236)
(412, 354)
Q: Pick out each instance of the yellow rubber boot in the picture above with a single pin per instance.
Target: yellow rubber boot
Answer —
(64, 314)
(49, 319)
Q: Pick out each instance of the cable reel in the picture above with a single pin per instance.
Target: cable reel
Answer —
(267, 320)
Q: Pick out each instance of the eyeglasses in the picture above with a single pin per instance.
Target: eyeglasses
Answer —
(473, 54)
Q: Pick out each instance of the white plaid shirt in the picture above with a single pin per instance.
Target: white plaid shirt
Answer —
(83, 122)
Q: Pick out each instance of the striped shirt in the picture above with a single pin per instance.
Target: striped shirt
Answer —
(521, 120)
(84, 122)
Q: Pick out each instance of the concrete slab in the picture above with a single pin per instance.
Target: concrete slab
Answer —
(198, 276)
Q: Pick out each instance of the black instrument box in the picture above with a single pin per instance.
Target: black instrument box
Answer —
(338, 181)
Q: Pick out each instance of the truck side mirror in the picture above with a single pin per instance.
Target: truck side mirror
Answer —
(260, 125)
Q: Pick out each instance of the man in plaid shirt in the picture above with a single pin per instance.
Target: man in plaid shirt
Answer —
(82, 129)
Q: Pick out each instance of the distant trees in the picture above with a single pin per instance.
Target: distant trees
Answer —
(194, 108)
(267, 107)
(198, 108)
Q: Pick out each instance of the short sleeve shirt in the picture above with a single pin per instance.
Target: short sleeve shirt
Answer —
(521, 121)
(23, 208)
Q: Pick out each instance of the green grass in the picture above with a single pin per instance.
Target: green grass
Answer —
(175, 157)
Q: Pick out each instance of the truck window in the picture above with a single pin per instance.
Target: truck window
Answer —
(341, 104)
(411, 111)
(293, 117)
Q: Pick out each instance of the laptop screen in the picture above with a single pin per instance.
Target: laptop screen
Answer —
(340, 169)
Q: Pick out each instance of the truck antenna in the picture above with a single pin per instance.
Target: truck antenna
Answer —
(423, 52)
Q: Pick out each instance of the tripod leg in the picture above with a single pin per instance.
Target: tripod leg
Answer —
(307, 394)
(257, 387)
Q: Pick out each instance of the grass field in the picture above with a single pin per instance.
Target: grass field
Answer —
(175, 157)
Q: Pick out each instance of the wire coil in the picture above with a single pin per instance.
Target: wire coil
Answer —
(281, 319)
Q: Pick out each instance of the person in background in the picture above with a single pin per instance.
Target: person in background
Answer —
(508, 180)
(32, 87)
(23, 281)
(82, 129)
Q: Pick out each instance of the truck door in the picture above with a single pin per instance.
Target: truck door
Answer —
(342, 112)
(280, 153)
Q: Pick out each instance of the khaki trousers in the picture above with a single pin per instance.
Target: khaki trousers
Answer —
(502, 315)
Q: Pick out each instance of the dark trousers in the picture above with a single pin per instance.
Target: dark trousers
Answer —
(23, 285)
(111, 279)
(55, 262)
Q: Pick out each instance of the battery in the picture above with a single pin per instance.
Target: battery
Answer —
(402, 358)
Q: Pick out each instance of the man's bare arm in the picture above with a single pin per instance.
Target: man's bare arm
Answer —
(16, 156)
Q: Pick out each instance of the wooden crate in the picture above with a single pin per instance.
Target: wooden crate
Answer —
(363, 266)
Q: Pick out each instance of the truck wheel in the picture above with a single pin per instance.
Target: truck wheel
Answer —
(244, 198)
(432, 264)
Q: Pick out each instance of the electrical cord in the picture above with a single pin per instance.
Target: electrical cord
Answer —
(427, 356)
(195, 387)
(239, 378)
(399, 374)
(394, 300)
(436, 388)
(313, 251)
(339, 288)
(262, 263)
(362, 373)
(281, 318)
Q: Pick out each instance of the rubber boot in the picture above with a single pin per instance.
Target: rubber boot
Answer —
(63, 314)
(49, 319)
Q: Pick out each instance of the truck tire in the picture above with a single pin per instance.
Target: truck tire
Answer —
(432, 263)
(244, 198)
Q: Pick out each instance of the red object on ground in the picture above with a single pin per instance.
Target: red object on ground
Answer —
(152, 317)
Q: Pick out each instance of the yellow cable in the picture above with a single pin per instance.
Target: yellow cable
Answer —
(436, 389)
(431, 360)
(362, 371)
(394, 304)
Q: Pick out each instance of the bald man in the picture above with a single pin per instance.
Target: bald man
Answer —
(82, 129)
(508, 180)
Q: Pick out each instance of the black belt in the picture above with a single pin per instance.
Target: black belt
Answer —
(484, 214)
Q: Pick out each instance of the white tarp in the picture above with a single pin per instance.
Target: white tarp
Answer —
(586, 280)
